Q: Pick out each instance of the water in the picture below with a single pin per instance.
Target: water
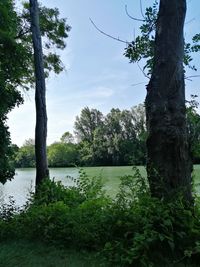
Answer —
(24, 183)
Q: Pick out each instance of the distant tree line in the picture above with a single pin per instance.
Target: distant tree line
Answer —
(115, 139)
(119, 138)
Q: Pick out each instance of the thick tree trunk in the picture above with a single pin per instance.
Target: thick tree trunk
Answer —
(168, 161)
(40, 97)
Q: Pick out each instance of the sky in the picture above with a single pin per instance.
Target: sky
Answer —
(97, 74)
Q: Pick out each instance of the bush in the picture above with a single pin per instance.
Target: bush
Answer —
(151, 232)
(133, 229)
(50, 192)
(68, 216)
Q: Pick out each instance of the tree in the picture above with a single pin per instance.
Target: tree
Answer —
(125, 135)
(40, 97)
(139, 126)
(67, 138)
(10, 71)
(168, 160)
(16, 59)
(40, 93)
(85, 128)
(85, 125)
(25, 156)
(114, 135)
(165, 54)
(62, 154)
(115, 139)
(143, 46)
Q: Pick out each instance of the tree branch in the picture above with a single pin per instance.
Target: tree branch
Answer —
(193, 76)
(143, 71)
(141, 9)
(131, 17)
(108, 35)
(136, 84)
(22, 33)
(189, 21)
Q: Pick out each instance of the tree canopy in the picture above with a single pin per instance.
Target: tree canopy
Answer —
(143, 45)
(16, 59)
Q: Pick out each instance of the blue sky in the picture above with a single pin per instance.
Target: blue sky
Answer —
(97, 74)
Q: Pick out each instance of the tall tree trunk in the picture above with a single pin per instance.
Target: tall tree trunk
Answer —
(169, 163)
(40, 97)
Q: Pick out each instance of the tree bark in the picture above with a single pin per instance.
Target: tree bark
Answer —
(40, 97)
(169, 164)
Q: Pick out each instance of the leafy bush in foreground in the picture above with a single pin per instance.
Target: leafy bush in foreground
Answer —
(133, 229)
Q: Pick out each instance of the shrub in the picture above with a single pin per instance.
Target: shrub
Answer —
(151, 232)
(133, 229)
(50, 191)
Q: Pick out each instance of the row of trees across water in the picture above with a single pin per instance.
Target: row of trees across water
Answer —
(115, 139)
(119, 138)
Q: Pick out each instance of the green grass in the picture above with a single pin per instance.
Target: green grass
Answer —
(32, 254)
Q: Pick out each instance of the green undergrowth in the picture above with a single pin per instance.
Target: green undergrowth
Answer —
(23, 253)
(133, 229)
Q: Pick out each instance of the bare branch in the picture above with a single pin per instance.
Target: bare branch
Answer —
(131, 17)
(108, 35)
(136, 84)
(189, 21)
(193, 76)
(141, 9)
(143, 71)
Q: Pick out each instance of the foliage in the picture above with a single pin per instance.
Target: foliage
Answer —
(67, 138)
(52, 192)
(133, 229)
(149, 231)
(120, 139)
(57, 213)
(62, 154)
(193, 124)
(16, 43)
(142, 47)
(10, 72)
(88, 121)
(25, 156)
(8, 210)
(115, 139)
(54, 30)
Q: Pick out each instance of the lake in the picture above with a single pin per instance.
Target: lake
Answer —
(24, 180)
(24, 183)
